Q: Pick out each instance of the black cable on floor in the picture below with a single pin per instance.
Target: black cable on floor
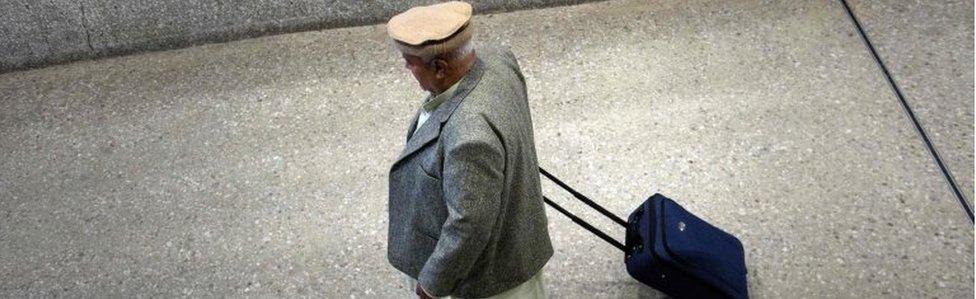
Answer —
(911, 114)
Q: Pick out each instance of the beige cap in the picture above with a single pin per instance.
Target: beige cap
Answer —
(431, 30)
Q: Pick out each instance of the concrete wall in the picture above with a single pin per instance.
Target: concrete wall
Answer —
(36, 33)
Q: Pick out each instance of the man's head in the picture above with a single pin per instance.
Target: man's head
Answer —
(438, 72)
(435, 42)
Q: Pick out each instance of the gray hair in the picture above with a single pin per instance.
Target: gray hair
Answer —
(463, 50)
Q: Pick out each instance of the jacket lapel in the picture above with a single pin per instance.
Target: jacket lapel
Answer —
(413, 125)
(432, 127)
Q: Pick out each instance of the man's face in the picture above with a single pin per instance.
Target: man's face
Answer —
(425, 73)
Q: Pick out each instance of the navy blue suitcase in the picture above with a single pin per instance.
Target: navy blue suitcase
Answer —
(672, 250)
(681, 255)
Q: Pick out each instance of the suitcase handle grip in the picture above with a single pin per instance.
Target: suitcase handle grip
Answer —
(590, 203)
(586, 225)
(584, 199)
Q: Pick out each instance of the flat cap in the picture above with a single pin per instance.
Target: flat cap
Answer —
(433, 29)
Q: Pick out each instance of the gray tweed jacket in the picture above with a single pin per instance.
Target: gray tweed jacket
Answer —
(466, 211)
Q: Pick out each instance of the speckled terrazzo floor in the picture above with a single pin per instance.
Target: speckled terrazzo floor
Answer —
(258, 167)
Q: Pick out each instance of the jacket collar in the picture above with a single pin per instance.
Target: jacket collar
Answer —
(432, 127)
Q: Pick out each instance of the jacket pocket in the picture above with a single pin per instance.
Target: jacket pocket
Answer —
(428, 174)
(426, 235)
(429, 208)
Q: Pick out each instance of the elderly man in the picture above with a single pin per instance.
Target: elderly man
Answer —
(465, 205)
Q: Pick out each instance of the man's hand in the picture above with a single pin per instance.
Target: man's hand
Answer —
(420, 292)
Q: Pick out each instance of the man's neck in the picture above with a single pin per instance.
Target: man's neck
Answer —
(466, 64)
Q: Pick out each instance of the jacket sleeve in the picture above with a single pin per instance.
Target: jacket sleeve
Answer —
(473, 176)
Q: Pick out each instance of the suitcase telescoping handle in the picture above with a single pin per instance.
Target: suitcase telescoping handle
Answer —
(590, 203)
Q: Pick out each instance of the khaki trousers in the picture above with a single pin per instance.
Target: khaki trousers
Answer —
(534, 288)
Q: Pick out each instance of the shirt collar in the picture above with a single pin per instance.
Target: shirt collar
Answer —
(435, 100)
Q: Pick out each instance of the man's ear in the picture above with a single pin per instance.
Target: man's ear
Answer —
(440, 68)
